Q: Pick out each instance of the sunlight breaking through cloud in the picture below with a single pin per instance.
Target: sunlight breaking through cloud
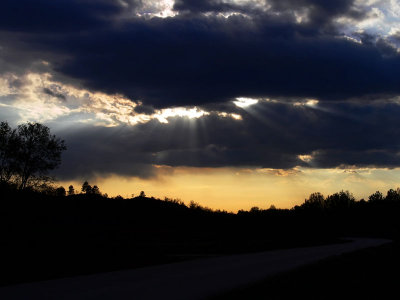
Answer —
(381, 17)
(305, 157)
(191, 113)
(231, 115)
(306, 102)
(160, 9)
(245, 102)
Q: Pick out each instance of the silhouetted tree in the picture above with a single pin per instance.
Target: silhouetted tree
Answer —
(341, 200)
(47, 189)
(39, 152)
(142, 194)
(315, 201)
(60, 191)
(392, 195)
(71, 190)
(95, 190)
(377, 196)
(86, 188)
(255, 209)
(28, 153)
(194, 205)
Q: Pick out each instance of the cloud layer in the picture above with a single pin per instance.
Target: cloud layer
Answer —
(274, 49)
(327, 88)
(270, 135)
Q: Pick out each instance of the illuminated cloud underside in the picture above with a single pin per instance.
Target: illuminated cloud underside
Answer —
(41, 99)
(383, 16)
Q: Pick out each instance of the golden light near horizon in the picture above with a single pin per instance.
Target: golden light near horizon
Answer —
(233, 189)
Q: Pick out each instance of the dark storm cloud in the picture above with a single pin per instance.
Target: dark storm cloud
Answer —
(94, 151)
(25, 23)
(203, 6)
(271, 135)
(345, 159)
(195, 60)
(17, 56)
(58, 15)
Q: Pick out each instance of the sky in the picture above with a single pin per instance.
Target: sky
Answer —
(229, 103)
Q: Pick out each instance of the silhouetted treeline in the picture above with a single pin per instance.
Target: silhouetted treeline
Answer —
(336, 213)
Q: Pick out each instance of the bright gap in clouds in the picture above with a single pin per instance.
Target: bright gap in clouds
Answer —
(243, 102)
(160, 8)
(191, 113)
(307, 102)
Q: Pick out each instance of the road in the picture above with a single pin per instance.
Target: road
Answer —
(197, 279)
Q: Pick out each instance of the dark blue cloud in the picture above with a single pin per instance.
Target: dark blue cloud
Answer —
(182, 61)
(204, 6)
(194, 59)
(271, 135)
(55, 16)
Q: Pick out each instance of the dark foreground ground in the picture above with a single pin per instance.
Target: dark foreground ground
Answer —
(53, 237)
(372, 273)
(195, 279)
(46, 237)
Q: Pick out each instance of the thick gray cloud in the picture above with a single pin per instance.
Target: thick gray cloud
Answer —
(204, 6)
(271, 135)
(197, 59)
(320, 11)
(56, 16)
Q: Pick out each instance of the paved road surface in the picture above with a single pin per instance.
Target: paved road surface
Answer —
(196, 279)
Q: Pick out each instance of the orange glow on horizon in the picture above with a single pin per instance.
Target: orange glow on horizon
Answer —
(232, 189)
